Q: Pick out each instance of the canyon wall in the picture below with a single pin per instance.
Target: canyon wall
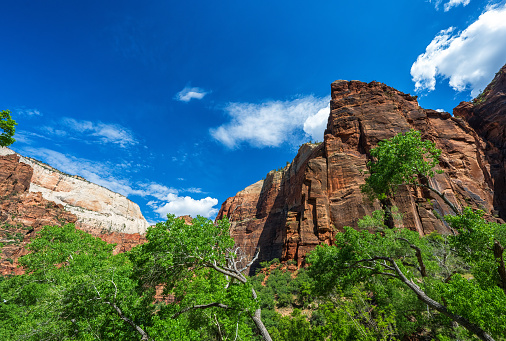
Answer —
(307, 203)
(23, 212)
(96, 207)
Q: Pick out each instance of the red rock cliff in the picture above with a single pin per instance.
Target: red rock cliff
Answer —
(486, 114)
(293, 210)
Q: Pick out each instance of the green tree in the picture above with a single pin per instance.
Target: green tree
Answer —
(403, 160)
(203, 269)
(394, 260)
(8, 125)
(74, 288)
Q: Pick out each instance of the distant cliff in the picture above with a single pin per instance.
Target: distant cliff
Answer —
(307, 203)
(24, 210)
(96, 207)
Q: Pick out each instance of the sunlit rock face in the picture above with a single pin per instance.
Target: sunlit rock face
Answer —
(27, 204)
(292, 210)
(96, 207)
(22, 213)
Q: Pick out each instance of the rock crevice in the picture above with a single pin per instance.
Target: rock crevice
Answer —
(311, 200)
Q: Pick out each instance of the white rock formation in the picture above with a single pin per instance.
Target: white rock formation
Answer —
(96, 207)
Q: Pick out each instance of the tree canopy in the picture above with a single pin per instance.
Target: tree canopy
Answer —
(456, 276)
(403, 160)
(8, 126)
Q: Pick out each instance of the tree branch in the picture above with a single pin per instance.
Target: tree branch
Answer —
(422, 296)
(442, 196)
(422, 269)
(201, 306)
(145, 336)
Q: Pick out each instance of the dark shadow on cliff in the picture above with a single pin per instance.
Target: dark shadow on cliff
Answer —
(272, 237)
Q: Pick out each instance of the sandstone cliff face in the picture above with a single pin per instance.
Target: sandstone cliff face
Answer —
(96, 207)
(487, 116)
(23, 213)
(306, 204)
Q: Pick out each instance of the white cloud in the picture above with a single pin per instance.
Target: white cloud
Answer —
(193, 190)
(106, 133)
(28, 112)
(188, 93)
(469, 59)
(158, 191)
(269, 124)
(187, 206)
(454, 3)
(448, 5)
(315, 125)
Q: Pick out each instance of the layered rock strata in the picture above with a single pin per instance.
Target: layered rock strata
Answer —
(23, 213)
(96, 207)
(307, 203)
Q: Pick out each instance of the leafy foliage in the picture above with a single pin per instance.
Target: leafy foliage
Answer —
(8, 125)
(70, 277)
(199, 266)
(389, 264)
(401, 160)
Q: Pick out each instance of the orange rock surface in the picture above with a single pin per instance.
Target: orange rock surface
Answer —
(307, 203)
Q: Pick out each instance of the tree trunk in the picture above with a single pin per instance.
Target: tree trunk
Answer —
(498, 255)
(258, 320)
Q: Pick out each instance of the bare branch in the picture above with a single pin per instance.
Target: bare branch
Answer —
(145, 336)
(422, 269)
(201, 306)
(422, 296)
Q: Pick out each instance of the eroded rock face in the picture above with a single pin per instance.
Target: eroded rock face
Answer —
(306, 204)
(23, 213)
(486, 114)
(95, 207)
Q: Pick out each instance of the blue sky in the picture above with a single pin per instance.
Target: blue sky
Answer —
(179, 105)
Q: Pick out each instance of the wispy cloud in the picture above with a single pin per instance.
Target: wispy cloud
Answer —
(271, 123)
(189, 93)
(449, 4)
(453, 3)
(469, 59)
(104, 132)
(28, 112)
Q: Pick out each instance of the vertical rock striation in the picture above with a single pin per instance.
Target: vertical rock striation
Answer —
(307, 203)
(486, 114)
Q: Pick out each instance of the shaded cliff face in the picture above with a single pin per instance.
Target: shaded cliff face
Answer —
(486, 114)
(23, 213)
(96, 207)
(293, 210)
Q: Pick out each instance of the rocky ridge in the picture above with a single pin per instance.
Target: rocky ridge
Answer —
(23, 212)
(96, 207)
(307, 203)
